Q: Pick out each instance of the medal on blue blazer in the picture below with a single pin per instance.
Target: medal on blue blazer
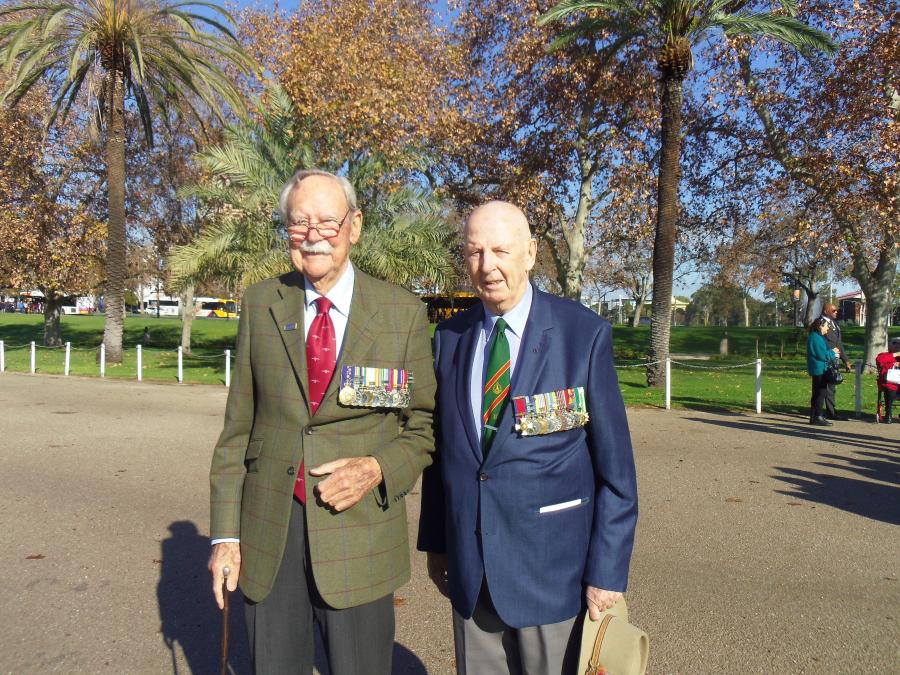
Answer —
(551, 411)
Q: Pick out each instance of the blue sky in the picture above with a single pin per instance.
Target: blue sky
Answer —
(685, 286)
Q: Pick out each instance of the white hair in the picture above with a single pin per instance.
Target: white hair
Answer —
(346, 186)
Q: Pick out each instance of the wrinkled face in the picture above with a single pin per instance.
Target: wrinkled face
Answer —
(318, 200)
(831, 312)
(499, 253)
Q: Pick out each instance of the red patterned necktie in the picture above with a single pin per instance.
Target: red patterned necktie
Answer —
(321, 346)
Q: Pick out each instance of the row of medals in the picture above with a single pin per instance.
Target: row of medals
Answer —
(546, 423)
(374, 397)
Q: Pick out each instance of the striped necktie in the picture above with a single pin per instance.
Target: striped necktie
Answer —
(496, 386)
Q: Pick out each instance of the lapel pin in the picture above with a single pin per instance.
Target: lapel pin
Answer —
(290, 326)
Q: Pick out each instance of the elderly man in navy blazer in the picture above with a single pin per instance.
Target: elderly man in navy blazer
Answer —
(528, 513)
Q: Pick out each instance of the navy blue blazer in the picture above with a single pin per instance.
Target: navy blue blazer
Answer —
(486, 514)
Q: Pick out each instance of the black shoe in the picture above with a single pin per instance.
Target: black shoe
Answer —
(820, 422)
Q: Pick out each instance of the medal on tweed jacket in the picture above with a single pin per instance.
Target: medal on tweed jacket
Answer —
(367, 387)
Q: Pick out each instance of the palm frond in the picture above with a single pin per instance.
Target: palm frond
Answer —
(784, 29)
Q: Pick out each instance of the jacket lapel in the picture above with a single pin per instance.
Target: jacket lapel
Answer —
(289, 322)
(465, 354)
(534, 351)
(358, 337)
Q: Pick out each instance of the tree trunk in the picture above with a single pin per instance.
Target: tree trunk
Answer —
(187, 318)
(114, 323)
(746, 308)
(810, 315)
(877, 286)
(666, 228)
(639, 305)
(52, 311)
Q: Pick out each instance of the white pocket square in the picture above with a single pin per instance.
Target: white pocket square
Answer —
(559, 507)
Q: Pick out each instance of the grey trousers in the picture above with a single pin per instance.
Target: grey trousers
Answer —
(358, 640)
(830, 391)
(485, 645)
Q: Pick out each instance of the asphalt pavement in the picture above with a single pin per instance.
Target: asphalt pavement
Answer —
(764, 545)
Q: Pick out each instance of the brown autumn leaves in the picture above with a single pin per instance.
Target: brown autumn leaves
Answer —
(474, 105)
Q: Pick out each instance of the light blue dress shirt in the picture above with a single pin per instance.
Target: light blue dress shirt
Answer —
(516, 318)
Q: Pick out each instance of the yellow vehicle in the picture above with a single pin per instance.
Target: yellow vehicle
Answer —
(222, 308)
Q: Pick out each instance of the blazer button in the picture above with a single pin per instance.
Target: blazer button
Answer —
(291, 471)
(483, 477)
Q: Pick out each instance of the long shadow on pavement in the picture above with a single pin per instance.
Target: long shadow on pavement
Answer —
(875, 496)
(189, 618)
(801, 429)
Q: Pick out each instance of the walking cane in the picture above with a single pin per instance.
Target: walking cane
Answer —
(225, 595)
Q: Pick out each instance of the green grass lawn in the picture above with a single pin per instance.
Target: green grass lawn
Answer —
(786, 386)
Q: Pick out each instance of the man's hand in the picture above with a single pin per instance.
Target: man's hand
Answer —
(348, 480)
(227, 554)
(437, 570)
(600, 600)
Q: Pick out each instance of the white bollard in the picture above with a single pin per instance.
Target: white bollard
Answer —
(32, 357)
(858, 368)
(180, 365)
(227, 366)
(68, 354)
(2, 357)
(102, 359)
(758, 386)
(668, 383)
(140, 366)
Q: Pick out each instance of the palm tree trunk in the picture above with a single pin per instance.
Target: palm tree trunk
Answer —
(52, 310)
(666, 227)
(115, 254)
(187, 317)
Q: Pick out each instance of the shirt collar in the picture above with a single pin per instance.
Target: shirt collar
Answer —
(515, 318)
(341, 294)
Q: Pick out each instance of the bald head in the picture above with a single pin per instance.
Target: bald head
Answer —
(830, 311)
(497, 214)
(499, 253)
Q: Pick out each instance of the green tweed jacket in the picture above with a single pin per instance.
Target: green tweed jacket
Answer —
(358, 555)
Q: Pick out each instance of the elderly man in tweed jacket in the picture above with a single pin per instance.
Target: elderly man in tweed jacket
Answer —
(308, 483)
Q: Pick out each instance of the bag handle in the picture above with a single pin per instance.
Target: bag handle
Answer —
(594, 667)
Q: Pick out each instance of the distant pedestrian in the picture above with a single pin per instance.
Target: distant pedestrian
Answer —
(884, 362)
(833, 338)
(819, 358)
(145, 338)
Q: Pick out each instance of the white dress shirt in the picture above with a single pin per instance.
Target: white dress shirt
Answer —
(516, 318)
(341, 295)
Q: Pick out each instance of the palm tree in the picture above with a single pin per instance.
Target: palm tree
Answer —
(154, 53)
(673, 27)
(405, 240)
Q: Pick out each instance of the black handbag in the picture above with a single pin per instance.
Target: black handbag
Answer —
(833, 375)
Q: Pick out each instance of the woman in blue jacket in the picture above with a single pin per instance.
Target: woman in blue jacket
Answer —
(818, 359)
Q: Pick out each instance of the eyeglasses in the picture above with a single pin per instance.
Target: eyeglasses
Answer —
(327, 228)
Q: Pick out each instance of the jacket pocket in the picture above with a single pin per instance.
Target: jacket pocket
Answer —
(254, 448)
(561, 506)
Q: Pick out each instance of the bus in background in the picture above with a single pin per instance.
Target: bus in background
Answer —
(442, 305)
(166, 305)
(81, 304)
(221, 308)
